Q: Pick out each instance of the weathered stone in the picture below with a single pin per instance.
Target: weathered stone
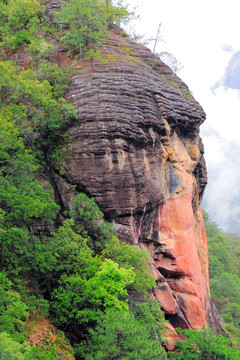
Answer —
(136, 149)
(170, 337)
(52, 6)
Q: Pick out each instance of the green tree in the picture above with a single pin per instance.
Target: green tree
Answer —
(89, 218)
(149, 314)
(219, 246)
(231, 314)
(23, 202)
(224, 253)
(211, 226)
(64, 252)
(226, 285)
(234, 335)
(79, 301)
(19, 20)
(86, 24)
(59, 78)
(119, 13)
(37, 115)
(13, 350)
(13, 312)
(129, 256)
(119, 335)
(85, 210)
(204, 345)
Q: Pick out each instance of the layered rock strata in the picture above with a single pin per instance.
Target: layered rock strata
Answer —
(136, 149)
(52, 6)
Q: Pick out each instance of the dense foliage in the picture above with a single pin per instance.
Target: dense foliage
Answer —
(14, 313)
(19, 20)
(204, 345)
(37, 115)
(87, 23)
(126, 336)
(224, 267)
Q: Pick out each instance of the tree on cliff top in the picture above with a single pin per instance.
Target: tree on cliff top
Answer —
(86, 22)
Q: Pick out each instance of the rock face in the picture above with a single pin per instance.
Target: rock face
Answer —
(136, 149)
(52, 6)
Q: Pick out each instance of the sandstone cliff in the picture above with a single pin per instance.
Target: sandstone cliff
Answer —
(136, 149)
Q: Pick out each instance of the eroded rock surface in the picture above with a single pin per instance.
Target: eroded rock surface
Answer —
(136, 149)
(52, 6)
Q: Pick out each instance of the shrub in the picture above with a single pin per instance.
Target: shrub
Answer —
(129, 256)
(204, 345)
(18, 21)
(88, 217)
(59, 78)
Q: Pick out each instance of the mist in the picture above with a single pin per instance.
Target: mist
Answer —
(222, 195)
(222, 151)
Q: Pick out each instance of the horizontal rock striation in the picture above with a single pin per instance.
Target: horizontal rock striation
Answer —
(136, 149)
(52, 6)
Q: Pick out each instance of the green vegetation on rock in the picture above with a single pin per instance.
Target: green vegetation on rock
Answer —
(87, 22)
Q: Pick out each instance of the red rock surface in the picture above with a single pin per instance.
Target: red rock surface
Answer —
(177, 245)
(170, 337)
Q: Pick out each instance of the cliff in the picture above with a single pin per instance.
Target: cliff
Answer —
(136, 149)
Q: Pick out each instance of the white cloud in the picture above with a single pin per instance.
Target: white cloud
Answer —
(222, 195)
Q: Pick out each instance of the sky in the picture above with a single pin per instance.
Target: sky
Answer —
(203, 36)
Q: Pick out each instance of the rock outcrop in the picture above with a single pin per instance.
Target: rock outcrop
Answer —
(52, 6)
(136, 149)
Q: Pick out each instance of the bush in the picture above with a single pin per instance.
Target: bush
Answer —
(204, 345)
(18, 19)
(59, 78)
(12, 350)
(88, 218)
(40, 49)
(80, 300)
